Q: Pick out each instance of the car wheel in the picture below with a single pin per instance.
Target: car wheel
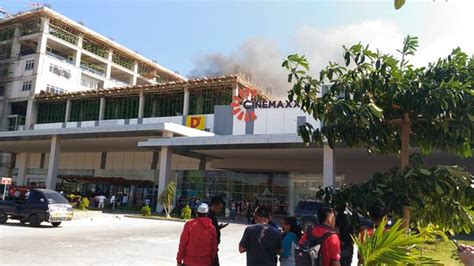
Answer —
(56, 224)
(3, 217)
(35, 220)
(308, 223)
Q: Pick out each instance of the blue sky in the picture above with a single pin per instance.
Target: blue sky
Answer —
(178, 33)
(175, 32)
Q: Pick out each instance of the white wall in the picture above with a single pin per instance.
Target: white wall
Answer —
(274, 121)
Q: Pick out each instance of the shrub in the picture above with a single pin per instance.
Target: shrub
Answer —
(84, 203)
(146, 210)
(186, 213)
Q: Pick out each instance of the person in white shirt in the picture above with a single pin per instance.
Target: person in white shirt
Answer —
(101, 200)
(112, 201)
(125, 199)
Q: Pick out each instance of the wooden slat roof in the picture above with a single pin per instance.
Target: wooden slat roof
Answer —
(166, 87)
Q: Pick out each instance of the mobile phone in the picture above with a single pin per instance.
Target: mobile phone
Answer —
(460, 249)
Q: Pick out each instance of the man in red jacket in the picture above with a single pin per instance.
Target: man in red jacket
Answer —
(198, 242)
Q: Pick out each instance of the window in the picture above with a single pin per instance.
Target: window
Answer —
(90, 83)
(26, 85)
(54, 90)
(60, 71)
(29, 64)
(2, 90)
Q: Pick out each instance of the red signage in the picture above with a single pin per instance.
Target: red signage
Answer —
(6, 181)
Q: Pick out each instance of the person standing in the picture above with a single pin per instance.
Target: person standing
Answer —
(112, 201)
(101, 199)
(125, 199)
(291, 236)
(261, 241)
(198, 241)
(331, 246)
(217, 204)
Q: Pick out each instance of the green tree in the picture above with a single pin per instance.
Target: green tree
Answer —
(166, 198)
(390, 247)
(385, 104)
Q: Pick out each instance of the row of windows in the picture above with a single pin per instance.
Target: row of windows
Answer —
(62, 72)
(26, 85)
(55, 90)
(90, 83)
(30, 64)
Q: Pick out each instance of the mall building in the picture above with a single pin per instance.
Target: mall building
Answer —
(212, 136)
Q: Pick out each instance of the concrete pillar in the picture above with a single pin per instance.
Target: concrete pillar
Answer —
(16, 46)
(31, 114)
(236, 90)
(186, 101)
(135, 73)
(109, 64)
(141, 105)
(291, 195)
(67, 115)
(44, 25)
(328, 166)
(164, 172)
(22, 165)
(53, 162)
(102, 108)
(77, 56)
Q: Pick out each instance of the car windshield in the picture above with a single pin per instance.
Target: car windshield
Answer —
(55, 198)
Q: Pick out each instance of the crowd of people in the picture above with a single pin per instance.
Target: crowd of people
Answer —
(266, 244)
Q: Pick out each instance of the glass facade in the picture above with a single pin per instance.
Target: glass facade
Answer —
(279, 190)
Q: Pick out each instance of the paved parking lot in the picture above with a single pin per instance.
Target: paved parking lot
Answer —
(106, 239)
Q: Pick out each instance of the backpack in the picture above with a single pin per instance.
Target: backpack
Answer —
(310, 253)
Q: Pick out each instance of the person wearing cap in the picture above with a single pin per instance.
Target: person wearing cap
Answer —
(198, 242)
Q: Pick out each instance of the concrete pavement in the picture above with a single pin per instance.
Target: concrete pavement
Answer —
(106, 240)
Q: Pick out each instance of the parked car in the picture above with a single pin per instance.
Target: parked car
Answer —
(306, 212)
(42, 205)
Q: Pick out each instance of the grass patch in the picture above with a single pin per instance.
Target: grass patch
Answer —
(444, 252)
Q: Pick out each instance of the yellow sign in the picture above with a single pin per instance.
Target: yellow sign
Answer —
(196, 121)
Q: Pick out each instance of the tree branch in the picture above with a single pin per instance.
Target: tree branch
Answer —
(397, 121)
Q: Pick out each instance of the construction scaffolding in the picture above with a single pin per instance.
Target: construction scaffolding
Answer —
(7, 34)
(123, 60)
(51, 112)
(202, 101)
(84, 110)
(95, 47)
(159, 105)
(30, 26)
(121, 107)
(63, 31)
(5, 50)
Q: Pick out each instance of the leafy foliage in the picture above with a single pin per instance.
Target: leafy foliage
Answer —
(392, 246)
(186, 213)
(167, 196)
(439, 195)
(146, 210)
(373, 92)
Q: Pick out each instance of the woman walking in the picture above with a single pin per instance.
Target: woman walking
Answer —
(291, 236)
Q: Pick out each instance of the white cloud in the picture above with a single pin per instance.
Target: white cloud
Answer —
(444, 28)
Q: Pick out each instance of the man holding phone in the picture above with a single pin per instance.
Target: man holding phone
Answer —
(217, 204)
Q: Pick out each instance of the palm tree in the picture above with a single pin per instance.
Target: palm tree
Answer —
(392, 246)
(167, 196)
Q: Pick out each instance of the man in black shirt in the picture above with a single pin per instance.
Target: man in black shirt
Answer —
(261, 241)
(217, 204)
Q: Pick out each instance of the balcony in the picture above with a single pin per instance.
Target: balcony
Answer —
(63, 34)
(93, 68)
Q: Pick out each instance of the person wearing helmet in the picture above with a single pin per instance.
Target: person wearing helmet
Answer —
(198, 242)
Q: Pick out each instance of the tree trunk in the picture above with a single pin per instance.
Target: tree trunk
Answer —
(405, 160)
